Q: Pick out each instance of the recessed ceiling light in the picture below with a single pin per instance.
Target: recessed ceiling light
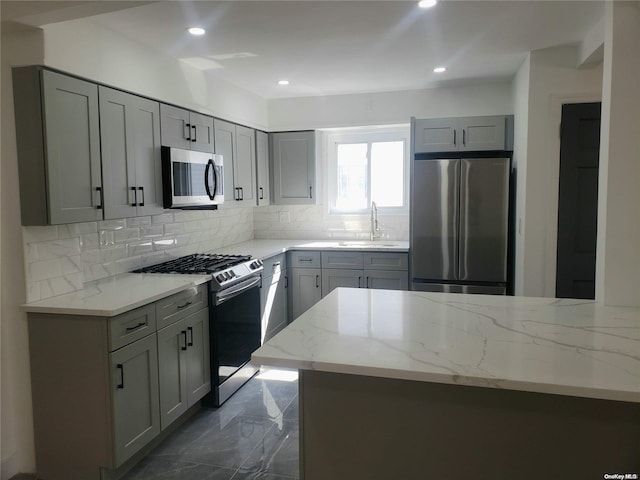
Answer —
(196, 31)
(427, 3)
(283, 82)
(439, 69)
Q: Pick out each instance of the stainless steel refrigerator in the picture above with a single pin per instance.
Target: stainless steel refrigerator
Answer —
(460, 225)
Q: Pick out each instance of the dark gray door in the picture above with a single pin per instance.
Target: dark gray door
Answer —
(578, 201)
(434, 222)
(484, 210)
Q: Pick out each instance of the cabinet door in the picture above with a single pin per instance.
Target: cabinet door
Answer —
(436, 135)
(146, 151)
(197, 355)
(244, 165)
(225, 134)
(273, 304)
(134, 391)
(73, 149)
(294, 167)
(335, 277)
(202, 138)
(262, 160)
(483, 133)
(117, 136)
(306, 289)
(386, 261)
(172, 370)
(387, 279)
(333, 259)
(173, 127)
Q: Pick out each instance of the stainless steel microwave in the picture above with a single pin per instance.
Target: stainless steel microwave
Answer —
(192, 179)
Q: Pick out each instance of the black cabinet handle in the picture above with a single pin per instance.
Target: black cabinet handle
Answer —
(100, 198)
(310, 194)
(190, 329)
(241, 193)
(317, 279)
(261, 194)
(195, 133)
(367, 282)
(184, 334)
(188, 131)
(141, 204)
(286, 282)
(464, 137)
(359, 282)
(135, 196)
(179, 307)
(454, 137)
(237, 198)
(121, 368)
(131, 329)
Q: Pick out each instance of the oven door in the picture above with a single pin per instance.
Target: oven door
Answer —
(235, 335)
(191, 178)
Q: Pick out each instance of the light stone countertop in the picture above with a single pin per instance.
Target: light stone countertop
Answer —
(118, 294)
(554, 346)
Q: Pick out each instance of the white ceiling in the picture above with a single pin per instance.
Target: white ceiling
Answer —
(336, 47)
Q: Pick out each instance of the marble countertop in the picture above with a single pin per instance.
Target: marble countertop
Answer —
(557, 346)
(120, 293)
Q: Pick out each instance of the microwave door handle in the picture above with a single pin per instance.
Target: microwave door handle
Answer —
(206, 179)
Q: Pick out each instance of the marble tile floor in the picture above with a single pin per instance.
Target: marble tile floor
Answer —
(254, 435)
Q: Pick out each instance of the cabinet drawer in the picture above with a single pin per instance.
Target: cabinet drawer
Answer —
(305, 259)
(179, 305)
(342, 260)
(386, 261)
(275, 264)
(131, 326)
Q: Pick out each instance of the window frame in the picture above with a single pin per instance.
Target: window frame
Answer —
(367, 135)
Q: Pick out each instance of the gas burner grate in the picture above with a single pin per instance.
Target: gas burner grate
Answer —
(197, 263)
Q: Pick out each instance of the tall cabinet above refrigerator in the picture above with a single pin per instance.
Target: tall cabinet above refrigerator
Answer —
(460, 212)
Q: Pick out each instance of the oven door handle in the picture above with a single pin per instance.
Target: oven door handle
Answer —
(241, 287)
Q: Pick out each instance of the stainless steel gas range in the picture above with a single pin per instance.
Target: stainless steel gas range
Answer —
(234, 315)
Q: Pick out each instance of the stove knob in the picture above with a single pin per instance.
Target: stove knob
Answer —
(232, 274)
(220, 278)
(259, 262)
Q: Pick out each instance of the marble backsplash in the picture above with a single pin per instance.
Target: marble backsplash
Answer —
(63, 258)
(313, 222)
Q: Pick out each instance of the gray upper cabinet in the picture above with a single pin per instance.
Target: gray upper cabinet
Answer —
(262, 160)
(293, 163)
(460, 134)
(237, 144)
(58, 139)
(188, 130)
(132, 169)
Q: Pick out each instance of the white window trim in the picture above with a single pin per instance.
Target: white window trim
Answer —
(363, 135)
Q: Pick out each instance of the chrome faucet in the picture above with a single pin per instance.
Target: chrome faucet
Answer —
(374, 232)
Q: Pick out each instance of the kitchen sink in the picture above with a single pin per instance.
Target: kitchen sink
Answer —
(365, 244)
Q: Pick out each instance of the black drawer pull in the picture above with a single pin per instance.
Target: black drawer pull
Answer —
(179, 307)
(141, 324)
(121, 368)
(190, 329)
(135, 196)
(184, 333)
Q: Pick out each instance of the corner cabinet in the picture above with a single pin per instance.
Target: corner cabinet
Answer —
(58, 140)
(293, 167)
(237, 146)
(185, 129)
(262, 160)
(131, 165)
(460, 134)
(105, 387)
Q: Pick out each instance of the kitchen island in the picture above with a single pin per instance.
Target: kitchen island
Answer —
(428, 385)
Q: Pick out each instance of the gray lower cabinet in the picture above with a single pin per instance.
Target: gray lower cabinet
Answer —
(274, 296)
(262, 161)
(58, 140)
(185, 129)
(183, 365)
(333, 278)
(460, 134)
(103, 387)
(131, 165)
(306, 289)
(386, 279)
(293, 167)
(237, 146)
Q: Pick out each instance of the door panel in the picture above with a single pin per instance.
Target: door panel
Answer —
(333, 278)
(436, 135)
(484, 210)
(578, 201)
(244, 164)
(202, 137)
(173, 373)
(148, 165)
(434, 219)
(174, 127)
(386, 279)
(225, 133)
(197, 354)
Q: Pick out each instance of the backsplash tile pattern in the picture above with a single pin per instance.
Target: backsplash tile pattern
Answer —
(312, 222)
(63, 258)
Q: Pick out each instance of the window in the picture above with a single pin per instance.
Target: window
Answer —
(368, 166)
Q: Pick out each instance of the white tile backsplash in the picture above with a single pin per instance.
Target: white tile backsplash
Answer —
(63, 258)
